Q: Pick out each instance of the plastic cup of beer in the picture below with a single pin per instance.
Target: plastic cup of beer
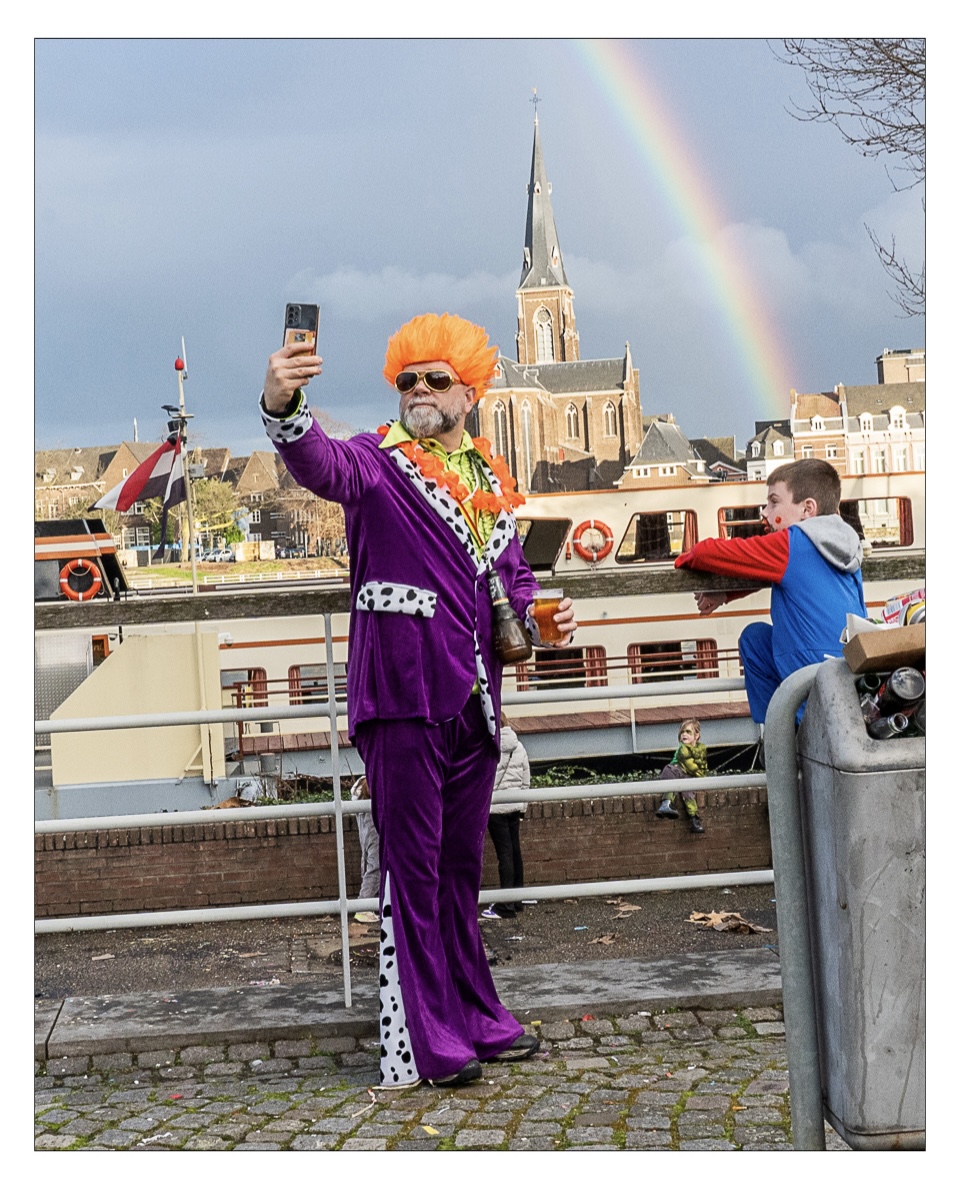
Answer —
(546, 603)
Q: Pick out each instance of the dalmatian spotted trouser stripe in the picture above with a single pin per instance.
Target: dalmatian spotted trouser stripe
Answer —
(430, 788)
(397, 1064)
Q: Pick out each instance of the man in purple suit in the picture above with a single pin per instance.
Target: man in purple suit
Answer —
(428, 516)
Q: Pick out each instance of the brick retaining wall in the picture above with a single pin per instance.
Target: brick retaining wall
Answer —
(247, 861)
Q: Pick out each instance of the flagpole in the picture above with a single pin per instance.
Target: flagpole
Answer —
(206, 749)
(181, 367)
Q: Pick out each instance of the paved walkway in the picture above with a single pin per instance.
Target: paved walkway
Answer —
(687, 1054)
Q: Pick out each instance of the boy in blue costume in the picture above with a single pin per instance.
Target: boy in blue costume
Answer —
(811, 560)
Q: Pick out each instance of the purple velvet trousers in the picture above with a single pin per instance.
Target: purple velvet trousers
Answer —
(430, 787)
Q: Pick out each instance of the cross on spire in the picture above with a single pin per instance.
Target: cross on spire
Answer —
(535, 100)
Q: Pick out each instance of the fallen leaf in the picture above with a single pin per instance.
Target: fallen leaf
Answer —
(430, 1131)
(249, 955)
(604, 939)
(587, 1017)
(725, 920)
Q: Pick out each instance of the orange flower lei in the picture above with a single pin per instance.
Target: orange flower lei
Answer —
(432, 469)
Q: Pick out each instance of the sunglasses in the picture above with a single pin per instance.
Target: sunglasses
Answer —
(436, 380)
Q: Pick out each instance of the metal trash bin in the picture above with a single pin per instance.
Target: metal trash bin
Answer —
(862, 804)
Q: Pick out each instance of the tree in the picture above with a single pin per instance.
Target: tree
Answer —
(214, 509)
(872, 89)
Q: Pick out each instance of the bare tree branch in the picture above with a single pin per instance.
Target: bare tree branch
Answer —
(872, 89)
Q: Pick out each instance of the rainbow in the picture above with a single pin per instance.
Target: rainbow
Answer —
(687, 190)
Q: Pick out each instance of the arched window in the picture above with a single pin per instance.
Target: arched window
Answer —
(755, 450)
(543, 326)
(778, 447)
(526, 441)
(573, 422)
(499, 429)
(610, 420)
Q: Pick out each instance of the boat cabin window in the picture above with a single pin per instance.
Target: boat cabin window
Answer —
(676, 660)
(243, 687)
(542, 542)
(741, 522)
(658, 537)
(884, 521)
(308, 682)
(563, 668)
(46, 579)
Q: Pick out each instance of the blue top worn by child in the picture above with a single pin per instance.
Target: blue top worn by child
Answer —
(811, 559)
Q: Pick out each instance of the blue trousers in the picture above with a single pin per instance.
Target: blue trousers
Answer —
(759, 667)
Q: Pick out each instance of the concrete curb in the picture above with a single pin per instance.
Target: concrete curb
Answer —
(137, 1022)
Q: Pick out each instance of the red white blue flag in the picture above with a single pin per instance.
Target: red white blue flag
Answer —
(159, 475)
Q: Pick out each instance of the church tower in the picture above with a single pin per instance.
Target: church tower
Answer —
(546, 326)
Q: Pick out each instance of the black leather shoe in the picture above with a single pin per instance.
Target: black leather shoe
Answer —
(525, 1045)
(466, 1074)
(696, 824)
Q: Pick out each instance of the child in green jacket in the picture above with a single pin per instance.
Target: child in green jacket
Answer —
(689, 761)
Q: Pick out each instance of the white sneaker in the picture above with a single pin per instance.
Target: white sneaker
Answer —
(489, 913)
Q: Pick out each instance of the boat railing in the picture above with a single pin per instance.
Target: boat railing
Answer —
(528, 683)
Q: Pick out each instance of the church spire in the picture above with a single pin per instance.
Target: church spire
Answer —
(542, 261)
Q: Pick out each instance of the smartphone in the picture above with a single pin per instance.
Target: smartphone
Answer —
(300, 323)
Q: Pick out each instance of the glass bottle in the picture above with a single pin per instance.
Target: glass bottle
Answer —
(901, 690)
(888, 727)
(511, 640)
(869, 683)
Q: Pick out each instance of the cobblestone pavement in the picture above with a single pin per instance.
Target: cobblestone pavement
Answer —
(688, 1080)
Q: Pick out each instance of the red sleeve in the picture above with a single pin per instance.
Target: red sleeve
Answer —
(762, 558)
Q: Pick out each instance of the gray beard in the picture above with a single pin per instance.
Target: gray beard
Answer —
(427, 422)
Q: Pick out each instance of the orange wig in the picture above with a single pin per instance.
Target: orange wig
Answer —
(462, 345)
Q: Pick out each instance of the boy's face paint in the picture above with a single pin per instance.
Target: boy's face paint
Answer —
(781, 511)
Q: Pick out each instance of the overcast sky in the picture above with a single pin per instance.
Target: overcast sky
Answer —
(191, 188)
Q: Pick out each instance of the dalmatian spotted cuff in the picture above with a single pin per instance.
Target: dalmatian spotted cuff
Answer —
(395, 598)
(285, 430)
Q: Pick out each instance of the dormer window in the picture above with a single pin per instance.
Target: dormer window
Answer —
(76, 473)
(755, 450)
(778, 448)
(866, 422)
(898, 418)
(816, 423)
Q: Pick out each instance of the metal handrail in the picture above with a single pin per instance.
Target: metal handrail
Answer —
(342, 905)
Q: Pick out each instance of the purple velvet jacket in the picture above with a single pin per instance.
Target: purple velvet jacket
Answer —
(421, 621)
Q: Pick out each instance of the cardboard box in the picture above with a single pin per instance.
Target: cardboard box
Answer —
(885, 649)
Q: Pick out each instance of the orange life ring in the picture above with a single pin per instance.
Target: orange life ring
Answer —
(79, 567)
(590, 554)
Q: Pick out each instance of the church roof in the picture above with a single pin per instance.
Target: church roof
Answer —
(664, 442)
(542, 261)
(563, 377)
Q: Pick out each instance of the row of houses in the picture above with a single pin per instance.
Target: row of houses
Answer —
(858, 429)
(266, 503)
